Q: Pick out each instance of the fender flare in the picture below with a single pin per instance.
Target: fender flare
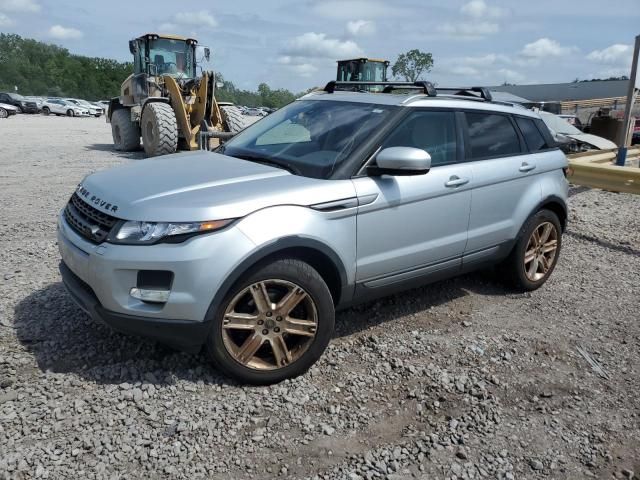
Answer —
(273, 248)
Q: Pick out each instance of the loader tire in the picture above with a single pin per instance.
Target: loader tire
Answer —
(126, 134)
(159, 129)
(234, 119)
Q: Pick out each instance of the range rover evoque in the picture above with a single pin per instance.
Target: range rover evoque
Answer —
(337, 198)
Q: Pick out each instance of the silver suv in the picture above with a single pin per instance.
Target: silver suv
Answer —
(337, 198)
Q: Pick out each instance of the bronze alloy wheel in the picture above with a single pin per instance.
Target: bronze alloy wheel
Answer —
(269, 324)
(541, 250)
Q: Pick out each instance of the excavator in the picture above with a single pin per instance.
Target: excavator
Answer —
(166, 102)
(364, 70)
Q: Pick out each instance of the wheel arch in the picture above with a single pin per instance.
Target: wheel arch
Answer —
(317, 254)
(558, 206)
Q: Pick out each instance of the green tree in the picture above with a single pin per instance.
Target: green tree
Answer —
(412, 64)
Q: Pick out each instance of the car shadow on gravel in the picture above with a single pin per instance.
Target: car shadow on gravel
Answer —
(416, 301)
(108, 147)
(63, 339)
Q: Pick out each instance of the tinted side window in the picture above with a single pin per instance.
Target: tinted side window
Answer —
(434, 132)
(491, 135)
(532, 136)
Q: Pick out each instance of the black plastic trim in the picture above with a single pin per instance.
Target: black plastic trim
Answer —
(182, 334)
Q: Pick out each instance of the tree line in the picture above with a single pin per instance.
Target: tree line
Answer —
(42, 69)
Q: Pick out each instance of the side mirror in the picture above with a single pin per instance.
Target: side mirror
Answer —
(401, 161)
(207, 53)
(133, 47)
(219, 84)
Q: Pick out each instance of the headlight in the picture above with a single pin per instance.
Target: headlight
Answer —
(133, 232)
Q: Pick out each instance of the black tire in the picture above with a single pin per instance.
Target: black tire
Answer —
(70, 113)
(46, 110)
(512, 270)
(234, 120)
(19, 109)
(159, 129)
(125, 133)
(3, 113)
(289, 270)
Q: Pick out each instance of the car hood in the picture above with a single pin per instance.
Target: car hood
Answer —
(593, 140)
(200, 186)
(6, 106)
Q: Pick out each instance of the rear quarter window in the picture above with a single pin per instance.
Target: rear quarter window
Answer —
(532, 136)
(491, 135)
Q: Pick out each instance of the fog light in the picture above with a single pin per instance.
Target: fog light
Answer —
(154, 296)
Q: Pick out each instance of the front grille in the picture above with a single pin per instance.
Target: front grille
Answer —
(87, 221)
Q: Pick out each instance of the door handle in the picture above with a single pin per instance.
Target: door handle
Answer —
(525, 167)
(455, 181)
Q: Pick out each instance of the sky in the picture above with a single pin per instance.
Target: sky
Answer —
(294, 44)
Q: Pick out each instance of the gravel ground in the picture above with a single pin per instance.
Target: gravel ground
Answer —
(461, 379)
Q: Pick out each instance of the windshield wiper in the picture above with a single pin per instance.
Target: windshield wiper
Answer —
(268, 161)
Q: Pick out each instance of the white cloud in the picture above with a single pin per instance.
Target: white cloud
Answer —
(5, 21)
(484, 60)
(64, 33)
(464, 71)
(545, 47)
(167, 27)
(511, 75)
(469, 30)
(318, 45)
(19, 6)
(356, 28)
(346, 9)
(196, 19)
(618, 54)
(480, 9)
(297, 66)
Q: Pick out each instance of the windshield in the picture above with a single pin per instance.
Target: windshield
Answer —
(309, 137)
(559, 124)
(16, 96)
(172, 57)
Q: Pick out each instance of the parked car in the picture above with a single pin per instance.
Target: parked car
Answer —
(92, 109)
(7, 110)
(336, 198)
(22, 104)
(98, 106)
(59, 107)
(38, 100)
(572, 140)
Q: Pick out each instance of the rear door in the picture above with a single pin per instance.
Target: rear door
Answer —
(502, 171)
(410, 226)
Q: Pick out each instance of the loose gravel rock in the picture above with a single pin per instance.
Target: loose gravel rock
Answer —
(459, 380)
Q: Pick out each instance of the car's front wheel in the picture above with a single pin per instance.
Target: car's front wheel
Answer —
(46, 110)
(535, 254)
(70, 113)
(3, 113)
(273, 324)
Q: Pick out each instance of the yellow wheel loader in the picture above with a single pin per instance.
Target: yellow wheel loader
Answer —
(165, 102)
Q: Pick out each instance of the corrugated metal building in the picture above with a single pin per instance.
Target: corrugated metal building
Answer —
(571, 96)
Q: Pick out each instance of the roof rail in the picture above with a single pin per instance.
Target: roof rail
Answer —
(427, 87)
(484, 92)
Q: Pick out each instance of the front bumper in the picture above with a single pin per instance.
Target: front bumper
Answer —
(182, 334)
(108, 273)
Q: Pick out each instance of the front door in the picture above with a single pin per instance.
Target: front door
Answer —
(409, 226)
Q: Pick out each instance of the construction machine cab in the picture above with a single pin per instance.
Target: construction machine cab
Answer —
(155, 54)
(364, 70)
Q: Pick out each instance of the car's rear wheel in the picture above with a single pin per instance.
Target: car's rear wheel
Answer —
(535, 254)
(3, 113)
(273, 324)
(46, 110)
